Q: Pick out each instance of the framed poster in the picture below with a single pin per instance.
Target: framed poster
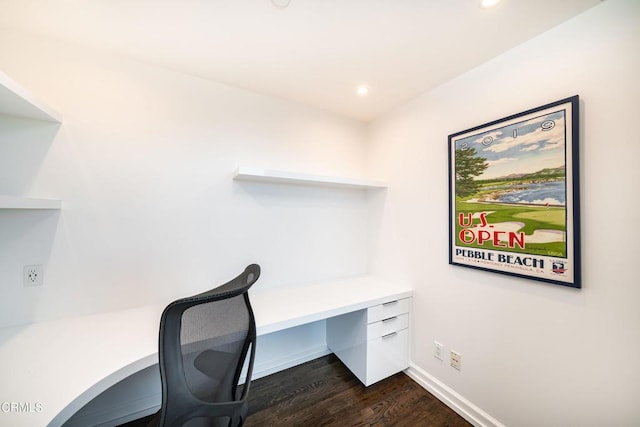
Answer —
(514, 195)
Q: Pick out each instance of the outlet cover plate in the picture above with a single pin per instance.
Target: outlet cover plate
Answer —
(33, 275)
(456, 360)
(437, 350)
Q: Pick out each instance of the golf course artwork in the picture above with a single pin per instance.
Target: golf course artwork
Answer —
(514, 195)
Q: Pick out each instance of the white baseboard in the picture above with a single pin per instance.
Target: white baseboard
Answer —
(263, 369)
(452, 399)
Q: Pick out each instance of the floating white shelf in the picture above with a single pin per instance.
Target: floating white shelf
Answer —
(285, 177)
(12, 202)
(16, 101)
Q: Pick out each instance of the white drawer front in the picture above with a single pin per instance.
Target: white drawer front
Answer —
(387, 326)
(387, 310)
(387, 355)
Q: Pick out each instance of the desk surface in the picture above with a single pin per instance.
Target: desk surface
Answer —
(54, 368)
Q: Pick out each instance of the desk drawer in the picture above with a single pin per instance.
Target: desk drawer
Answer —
(387, 310)
(387, 355)
(387, 326)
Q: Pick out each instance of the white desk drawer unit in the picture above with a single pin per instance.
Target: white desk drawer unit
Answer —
(374, 342)
(386, 327)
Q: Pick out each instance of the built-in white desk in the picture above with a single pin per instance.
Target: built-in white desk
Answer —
(52, 369)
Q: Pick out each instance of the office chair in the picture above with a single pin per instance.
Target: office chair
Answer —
(204, 342)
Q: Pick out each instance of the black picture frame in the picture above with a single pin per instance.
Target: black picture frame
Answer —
(514, 195)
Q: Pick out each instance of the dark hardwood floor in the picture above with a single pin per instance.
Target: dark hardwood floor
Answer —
(323, 392)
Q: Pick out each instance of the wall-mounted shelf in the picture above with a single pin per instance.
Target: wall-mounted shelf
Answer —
(16, 101)
(12, 202)
(286, 177)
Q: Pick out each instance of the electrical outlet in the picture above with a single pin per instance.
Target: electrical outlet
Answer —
(437, 350)
(456, 360)
(33, 275)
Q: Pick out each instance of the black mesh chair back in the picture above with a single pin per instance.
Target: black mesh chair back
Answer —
(204, 343)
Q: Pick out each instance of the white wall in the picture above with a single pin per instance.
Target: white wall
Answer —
(143, 163)
(533, 354)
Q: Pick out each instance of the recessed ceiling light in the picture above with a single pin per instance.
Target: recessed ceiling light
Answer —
(363, 90)
(488, 3)
(281, 3)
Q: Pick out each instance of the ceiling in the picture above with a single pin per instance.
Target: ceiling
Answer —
(315, 52)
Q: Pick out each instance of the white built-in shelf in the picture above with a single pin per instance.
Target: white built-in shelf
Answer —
(13, 202)
(16, 101)
(285, 177)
